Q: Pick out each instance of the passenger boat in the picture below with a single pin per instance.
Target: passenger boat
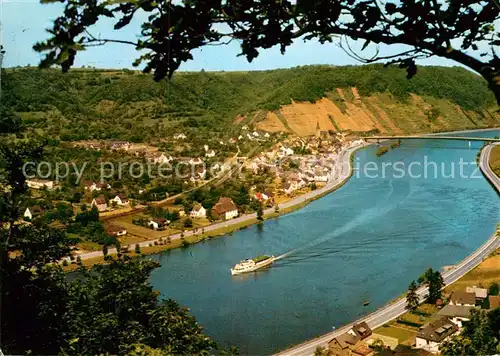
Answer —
(250, 265)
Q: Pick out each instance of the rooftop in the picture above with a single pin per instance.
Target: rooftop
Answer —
(456, 311)
(437, 330)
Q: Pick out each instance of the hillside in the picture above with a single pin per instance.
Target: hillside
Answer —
(127, 105)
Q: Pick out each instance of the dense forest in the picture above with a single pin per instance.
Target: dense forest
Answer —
(122, 104)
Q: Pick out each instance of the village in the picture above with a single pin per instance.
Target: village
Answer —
(421, 332)
(282, 169)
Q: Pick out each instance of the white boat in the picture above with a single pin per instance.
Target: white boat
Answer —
(250, 265)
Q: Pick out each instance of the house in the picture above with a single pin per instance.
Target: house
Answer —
(225, 208)
(40, 184)
(181, 213)
(289, 187)
(456, 313)
(255, 134)
(262, 197)
(362, 349)
(232, 140)
(120, 145)
(494, 301)
(157, 223)
(210, 153)
(89, 185)
(195, 161)
(433, 334)
(266, 135)
(100, 203)
(180, 136)
(115, 230)
(32, 212)
(481, 293)
(160, 158)
(201, 172)
(121, 199)
(198, 211)
(463, 298)
(403, 350)
(341, 345)
(361, 330)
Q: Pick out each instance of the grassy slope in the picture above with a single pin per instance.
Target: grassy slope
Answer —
(116, 104)
(495, 160)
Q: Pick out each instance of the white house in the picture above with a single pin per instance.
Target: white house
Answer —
(433, 334)
(100, 203)
(225, 208)
(121, 200)
(180, 136)
(255, 134)
(289, 187)
(285, 151)
(195, 161)
(88, 185)
(198, 212)
(115, 230)
(210, 153)
(157, 223)
(266, 135)
(463, 298)
(40, 184)
(33, 211)
(160, 158)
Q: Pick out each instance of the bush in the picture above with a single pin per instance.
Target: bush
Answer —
(409, 323)
(137, 249)
(188, 222)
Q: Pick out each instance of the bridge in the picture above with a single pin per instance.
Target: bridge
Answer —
(431, 137)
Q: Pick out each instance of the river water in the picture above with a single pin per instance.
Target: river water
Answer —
(364, 242)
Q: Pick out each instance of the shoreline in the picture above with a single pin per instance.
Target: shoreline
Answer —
(397, 306)
(223, 228)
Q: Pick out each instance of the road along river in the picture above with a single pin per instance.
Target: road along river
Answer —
(366, 241)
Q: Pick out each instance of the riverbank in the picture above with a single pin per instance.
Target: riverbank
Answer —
(462, 270)
(486, 169)
(343, 170)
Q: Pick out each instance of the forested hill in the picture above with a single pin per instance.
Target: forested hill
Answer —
(123, 104)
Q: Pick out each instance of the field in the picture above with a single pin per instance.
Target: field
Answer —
(495, 160)
(404, 336)
(482, 276)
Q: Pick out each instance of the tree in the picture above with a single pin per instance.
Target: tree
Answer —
(260, 213)
(188, 222)
(412, 299)
(434, 282)
(493, 289)
(320, 351)
(479, 335)
(173, 31)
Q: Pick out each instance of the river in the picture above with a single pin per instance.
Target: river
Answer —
(364, 242)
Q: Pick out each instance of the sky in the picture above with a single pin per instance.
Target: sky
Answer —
(24, 22)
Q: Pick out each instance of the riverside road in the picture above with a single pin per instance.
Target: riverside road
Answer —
(397, 308)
